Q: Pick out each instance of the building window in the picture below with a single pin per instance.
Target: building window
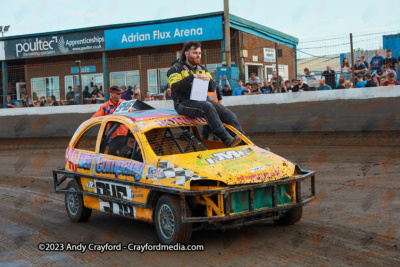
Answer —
(157, 80)
(88, 80)
(46, 87)
(127, 78)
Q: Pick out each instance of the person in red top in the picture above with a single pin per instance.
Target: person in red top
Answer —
(391, 80)
(109, 107)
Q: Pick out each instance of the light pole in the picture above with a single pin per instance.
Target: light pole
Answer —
(78, 62)
(3, 30)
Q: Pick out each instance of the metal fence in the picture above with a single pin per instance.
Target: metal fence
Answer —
(318, 53)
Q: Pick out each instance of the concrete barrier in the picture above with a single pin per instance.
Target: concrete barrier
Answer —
(360, 109)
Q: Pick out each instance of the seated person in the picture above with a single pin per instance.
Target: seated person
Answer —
(131, 147)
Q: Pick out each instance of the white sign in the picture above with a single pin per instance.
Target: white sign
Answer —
(124, 106)
(199, 90)
(269, 55)
(2, 54)
(283, 71)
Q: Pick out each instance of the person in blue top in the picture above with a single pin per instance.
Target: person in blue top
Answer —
(323, 86)
(10, 103)
(376, 61)
(360, 83)
(239, 90)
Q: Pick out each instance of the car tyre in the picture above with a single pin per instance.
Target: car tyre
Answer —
(290, 217)
(76, 210)
(168, 221)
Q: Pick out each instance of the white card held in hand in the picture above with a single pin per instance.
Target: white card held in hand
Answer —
(199, 90)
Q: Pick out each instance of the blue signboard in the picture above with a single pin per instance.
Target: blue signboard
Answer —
(165, 33)
(84, 69)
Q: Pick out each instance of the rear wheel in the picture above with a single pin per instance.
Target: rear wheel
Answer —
(168, 222)
(291, 217)
(76, 211)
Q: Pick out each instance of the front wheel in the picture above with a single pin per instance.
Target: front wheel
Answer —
(291, 217)
(77, 212)
(168, 222)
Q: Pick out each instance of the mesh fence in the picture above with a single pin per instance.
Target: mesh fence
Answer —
(318, 53)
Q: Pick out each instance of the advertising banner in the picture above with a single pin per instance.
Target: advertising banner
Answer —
(164, 33)
(55, 45)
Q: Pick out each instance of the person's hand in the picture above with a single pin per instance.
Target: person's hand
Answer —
(202, 77)
(220, 78)
(225, 77)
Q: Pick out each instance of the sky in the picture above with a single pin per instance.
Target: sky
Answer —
(302, 19)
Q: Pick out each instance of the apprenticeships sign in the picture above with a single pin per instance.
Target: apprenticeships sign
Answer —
(164, 33)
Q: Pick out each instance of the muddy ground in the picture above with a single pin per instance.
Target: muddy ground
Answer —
(354, 221)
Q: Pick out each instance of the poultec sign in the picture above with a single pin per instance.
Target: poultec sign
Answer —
(164, 33)
(53, 45)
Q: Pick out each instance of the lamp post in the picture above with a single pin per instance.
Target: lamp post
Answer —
(3, 30)
(78, 62)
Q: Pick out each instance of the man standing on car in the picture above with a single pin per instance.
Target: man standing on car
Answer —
(181, 75)
(112, 104)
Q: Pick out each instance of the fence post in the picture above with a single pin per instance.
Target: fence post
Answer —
(277, 68)
(205, 58)
(106, 77)
(352, 59)
(5, 82)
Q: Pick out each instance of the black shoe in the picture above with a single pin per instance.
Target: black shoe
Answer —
(233, 141)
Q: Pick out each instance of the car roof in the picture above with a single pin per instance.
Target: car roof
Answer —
(149, 114)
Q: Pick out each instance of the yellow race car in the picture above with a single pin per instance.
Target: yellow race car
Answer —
(152, 165)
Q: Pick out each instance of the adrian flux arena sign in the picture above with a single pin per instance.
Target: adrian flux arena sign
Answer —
(165, 33)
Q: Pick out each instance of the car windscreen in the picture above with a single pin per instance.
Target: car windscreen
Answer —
(173, 140)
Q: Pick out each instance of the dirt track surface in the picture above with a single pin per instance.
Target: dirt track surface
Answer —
(354, 221)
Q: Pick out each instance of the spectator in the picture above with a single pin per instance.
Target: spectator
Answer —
(71, 101)
(266, 88)
(227, 90)
(69, 94)
(27, 102)
(35, 98)
(323, 86)
(362, 58)
(330, 77)
(370, 82)
(308, 75)
(341, 84)
(94, 92)
(276, 83)
(99, 98)
(376, 61)
(37, 103)
(383, 79)
(286, 87)
(294, 82)
(77, 95)
(391, 80)
(255, 89)
(361, 83)
(136, 89)
(86, 93)
(137, 96)
(125, 94)
(391, 61)
(247, 91)
(254, 78)
(49, 102)
(238, 91)
(130, 89)
(345, 65)
(347, 85)
(300, 86)
(55, 103)
(10, 103)
(148, 97)
(167, 94)
(359, 67)
(42, 101)
(387, 70)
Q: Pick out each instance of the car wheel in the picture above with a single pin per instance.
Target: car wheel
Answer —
(77, 212)
(168, 222)
(290, 217)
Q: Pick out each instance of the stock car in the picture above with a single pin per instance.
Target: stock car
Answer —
(152, 165)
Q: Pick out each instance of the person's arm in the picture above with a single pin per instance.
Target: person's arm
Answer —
(219, 97)
(12, 105)
(227, 82)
